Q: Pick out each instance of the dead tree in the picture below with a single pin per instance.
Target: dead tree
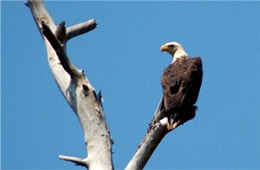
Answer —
(86, 102)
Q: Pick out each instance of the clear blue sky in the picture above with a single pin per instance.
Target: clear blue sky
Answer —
(122, 58)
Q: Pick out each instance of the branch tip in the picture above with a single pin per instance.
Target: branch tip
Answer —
(76, 160)
(81, 28)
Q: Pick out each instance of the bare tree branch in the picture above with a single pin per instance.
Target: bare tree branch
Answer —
(76, 88)
(81, 28)
(77, 161)
(158, 128)
(60, 51)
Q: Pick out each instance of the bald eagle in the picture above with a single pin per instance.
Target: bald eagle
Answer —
(181, 82)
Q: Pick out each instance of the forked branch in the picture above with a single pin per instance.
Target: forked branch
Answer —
(75, 87)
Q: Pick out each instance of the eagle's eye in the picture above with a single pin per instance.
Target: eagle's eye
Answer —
(171, 46)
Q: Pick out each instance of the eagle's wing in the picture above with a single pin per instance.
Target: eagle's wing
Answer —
(181, 83)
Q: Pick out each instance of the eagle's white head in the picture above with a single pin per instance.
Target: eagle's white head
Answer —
(175, 49)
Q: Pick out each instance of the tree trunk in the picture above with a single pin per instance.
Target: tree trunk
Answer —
(76, 88)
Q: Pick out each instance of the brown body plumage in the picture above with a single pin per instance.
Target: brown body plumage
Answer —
(181, 82)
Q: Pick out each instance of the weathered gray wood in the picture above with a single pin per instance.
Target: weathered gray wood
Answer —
(76, 89)
(158, 128)
(81, 28)
(148, 145)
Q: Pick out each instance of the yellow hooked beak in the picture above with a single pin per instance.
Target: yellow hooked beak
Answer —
(164, 48)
